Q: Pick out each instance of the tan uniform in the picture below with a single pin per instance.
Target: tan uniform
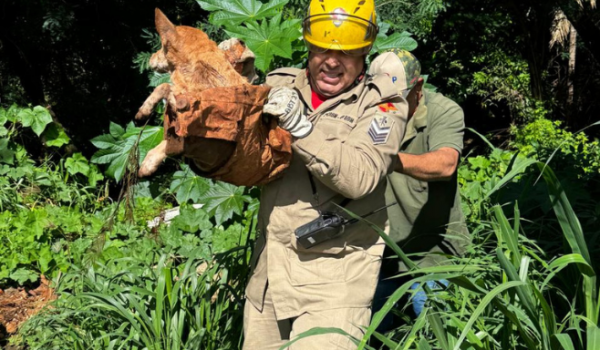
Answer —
(348, 154)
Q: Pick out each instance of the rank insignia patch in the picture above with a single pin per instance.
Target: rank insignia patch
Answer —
(380, 128)
(387, 107)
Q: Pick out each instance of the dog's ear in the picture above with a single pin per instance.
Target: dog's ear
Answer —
(164, 27)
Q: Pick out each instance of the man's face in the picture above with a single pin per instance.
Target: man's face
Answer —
(332, 71)
(414, 96)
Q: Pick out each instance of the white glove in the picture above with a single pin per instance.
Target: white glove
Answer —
(284, 104)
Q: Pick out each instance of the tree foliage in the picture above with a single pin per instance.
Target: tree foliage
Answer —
(528, 281)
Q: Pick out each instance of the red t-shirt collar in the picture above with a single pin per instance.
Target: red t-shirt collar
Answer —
(317, 99)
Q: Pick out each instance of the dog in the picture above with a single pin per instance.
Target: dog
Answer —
(213, 113)
(195, 63)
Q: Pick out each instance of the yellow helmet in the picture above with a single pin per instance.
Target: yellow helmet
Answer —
(347, 25)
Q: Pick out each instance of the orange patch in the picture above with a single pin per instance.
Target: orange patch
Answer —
(387, 107)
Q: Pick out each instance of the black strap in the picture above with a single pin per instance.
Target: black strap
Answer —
(313, 186)
(345, 202)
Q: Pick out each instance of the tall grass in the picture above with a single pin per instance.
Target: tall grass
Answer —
(507, 292)
(196, 305)
(511, 299)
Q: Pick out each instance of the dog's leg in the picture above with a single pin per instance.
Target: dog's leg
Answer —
(160, 92)
(153, 159)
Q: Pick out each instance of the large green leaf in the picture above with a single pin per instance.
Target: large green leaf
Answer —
(3, 116)
(188, 186)
(105, 141)
(116, 130)
(224, 240)
(235, 12)
(116, 146)
(402, 41)
(268, 39)
(150, 138)
(116, 157)
(23, 275)
(7, 155)
(55, 136)
(77, 164)
(191, 219)
(11, 113)
(94, 176)
(223, 200)
(3, 120)
(36, 118)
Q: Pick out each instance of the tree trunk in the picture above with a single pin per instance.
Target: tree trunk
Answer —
(572, 53)
(534, 20)
(588, 31)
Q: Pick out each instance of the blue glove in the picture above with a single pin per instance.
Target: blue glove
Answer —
(419, 298)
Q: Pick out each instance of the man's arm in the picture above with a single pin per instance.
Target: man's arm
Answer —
(446, 124)
(438, 165)
(355, 166)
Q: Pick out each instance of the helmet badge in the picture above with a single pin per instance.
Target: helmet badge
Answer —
(339, 15)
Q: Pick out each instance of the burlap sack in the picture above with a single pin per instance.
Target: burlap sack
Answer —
(222, 131)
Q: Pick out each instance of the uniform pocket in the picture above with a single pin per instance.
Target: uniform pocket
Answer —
(314, 268)
(417, 185)
(337, 129)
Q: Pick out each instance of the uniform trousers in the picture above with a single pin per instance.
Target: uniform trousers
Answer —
(262, 331)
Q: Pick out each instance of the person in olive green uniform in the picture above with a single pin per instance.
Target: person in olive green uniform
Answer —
(428, 223)
(346, 127)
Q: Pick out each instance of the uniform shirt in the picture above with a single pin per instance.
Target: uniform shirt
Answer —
(428, 217)
(348, 154)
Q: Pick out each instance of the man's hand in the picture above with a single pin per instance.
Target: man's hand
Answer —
(284, 104)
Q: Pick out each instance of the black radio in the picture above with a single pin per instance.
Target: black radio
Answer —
(326, 226)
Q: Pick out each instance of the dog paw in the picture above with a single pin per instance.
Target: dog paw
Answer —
(153, 160)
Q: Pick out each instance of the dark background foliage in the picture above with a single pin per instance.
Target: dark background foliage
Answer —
(77, 57)
(61, 213)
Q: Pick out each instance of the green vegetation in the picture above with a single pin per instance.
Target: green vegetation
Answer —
(103, 257)
(72, 210)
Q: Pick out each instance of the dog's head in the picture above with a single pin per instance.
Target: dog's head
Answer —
(179, 44)
(240, 57)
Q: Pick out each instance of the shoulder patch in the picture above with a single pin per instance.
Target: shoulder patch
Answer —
(380, 128)
(387, 107)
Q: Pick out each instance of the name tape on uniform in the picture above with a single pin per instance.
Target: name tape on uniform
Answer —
(380, 129)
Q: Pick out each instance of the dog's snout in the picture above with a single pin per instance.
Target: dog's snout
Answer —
(158, 62)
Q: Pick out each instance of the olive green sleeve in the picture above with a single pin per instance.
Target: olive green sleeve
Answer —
(446, 124)
(355, 167)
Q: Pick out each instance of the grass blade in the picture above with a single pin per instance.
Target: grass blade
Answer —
(505, 233)
(519, 166)
(313, 332)
(435, 322)
(564, 341)
(574, 234)
(593, 338)
(423, 345)
(482, 305)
